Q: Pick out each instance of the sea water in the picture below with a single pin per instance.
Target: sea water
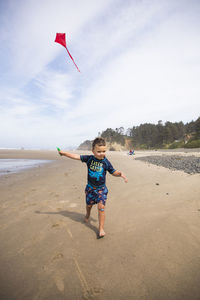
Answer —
(9, 166)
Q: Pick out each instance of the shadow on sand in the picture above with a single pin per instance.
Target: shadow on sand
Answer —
(74, 216)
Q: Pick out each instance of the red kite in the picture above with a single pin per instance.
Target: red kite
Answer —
(60, 39)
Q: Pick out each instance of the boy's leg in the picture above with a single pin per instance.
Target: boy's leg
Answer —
(101, 210)
(88, 210)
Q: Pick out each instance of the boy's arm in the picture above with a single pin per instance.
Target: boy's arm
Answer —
(120, 174)
(69, 155)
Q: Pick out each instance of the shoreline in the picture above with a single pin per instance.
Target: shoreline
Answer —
(16, 165)
(186, 161)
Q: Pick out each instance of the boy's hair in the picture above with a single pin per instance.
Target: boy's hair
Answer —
(98, 141)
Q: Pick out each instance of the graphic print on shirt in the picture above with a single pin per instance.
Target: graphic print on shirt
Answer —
(96, 170)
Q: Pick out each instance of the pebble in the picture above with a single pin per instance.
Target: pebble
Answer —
(188, 164)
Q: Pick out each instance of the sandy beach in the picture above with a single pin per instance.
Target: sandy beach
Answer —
(152, 245)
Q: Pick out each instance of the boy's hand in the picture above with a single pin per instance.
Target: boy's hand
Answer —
(60, 152)
(124, 177)
(120, 174)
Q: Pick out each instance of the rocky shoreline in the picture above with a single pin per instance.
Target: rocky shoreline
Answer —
(188, 164)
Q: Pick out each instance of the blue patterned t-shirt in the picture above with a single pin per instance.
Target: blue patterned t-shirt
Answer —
(97, 169)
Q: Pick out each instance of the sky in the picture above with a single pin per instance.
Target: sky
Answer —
(139, 63)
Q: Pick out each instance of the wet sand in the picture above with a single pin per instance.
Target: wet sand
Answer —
(152, 245)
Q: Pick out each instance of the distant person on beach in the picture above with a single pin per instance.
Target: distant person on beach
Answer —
(96, 190)
(131, 152)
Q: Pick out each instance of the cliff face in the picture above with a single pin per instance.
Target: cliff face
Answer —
(111, 146)
(87, 145)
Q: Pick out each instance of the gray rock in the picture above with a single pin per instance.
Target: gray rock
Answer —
(188, 164)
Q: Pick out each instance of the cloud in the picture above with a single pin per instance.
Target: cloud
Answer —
(139, 62)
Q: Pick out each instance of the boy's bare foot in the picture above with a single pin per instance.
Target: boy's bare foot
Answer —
(101, 234)
(86, 220)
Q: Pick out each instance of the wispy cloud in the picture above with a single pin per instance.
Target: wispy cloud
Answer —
(139, 62)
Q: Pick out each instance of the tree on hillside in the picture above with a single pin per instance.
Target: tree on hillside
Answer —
(120, 130)
(190, 127)
(112, 136)
(149, 135)
(197, 128)
(160, 136)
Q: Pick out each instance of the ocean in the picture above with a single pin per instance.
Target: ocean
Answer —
(9, 166)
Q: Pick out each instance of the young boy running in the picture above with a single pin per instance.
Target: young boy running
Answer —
(96, 190)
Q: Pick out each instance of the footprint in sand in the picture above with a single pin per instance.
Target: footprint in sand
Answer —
(59, 283)
(55, 225)
(49, 266)
(54, 194)
(57, 256)
(96, 291)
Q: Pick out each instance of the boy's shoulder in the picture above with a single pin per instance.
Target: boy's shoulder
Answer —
(86, 155)
(86, 158)
(106, 159)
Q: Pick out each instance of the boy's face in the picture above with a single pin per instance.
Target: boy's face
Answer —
(99, 151)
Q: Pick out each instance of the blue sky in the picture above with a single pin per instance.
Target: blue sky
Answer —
(139, 62)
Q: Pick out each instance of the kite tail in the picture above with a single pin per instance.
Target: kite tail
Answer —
(72, 59)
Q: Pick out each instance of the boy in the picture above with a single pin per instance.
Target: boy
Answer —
(96, 190)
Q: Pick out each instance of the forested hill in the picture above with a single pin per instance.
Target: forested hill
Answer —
(150, 136)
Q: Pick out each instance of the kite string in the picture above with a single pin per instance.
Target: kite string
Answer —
(72, 59)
